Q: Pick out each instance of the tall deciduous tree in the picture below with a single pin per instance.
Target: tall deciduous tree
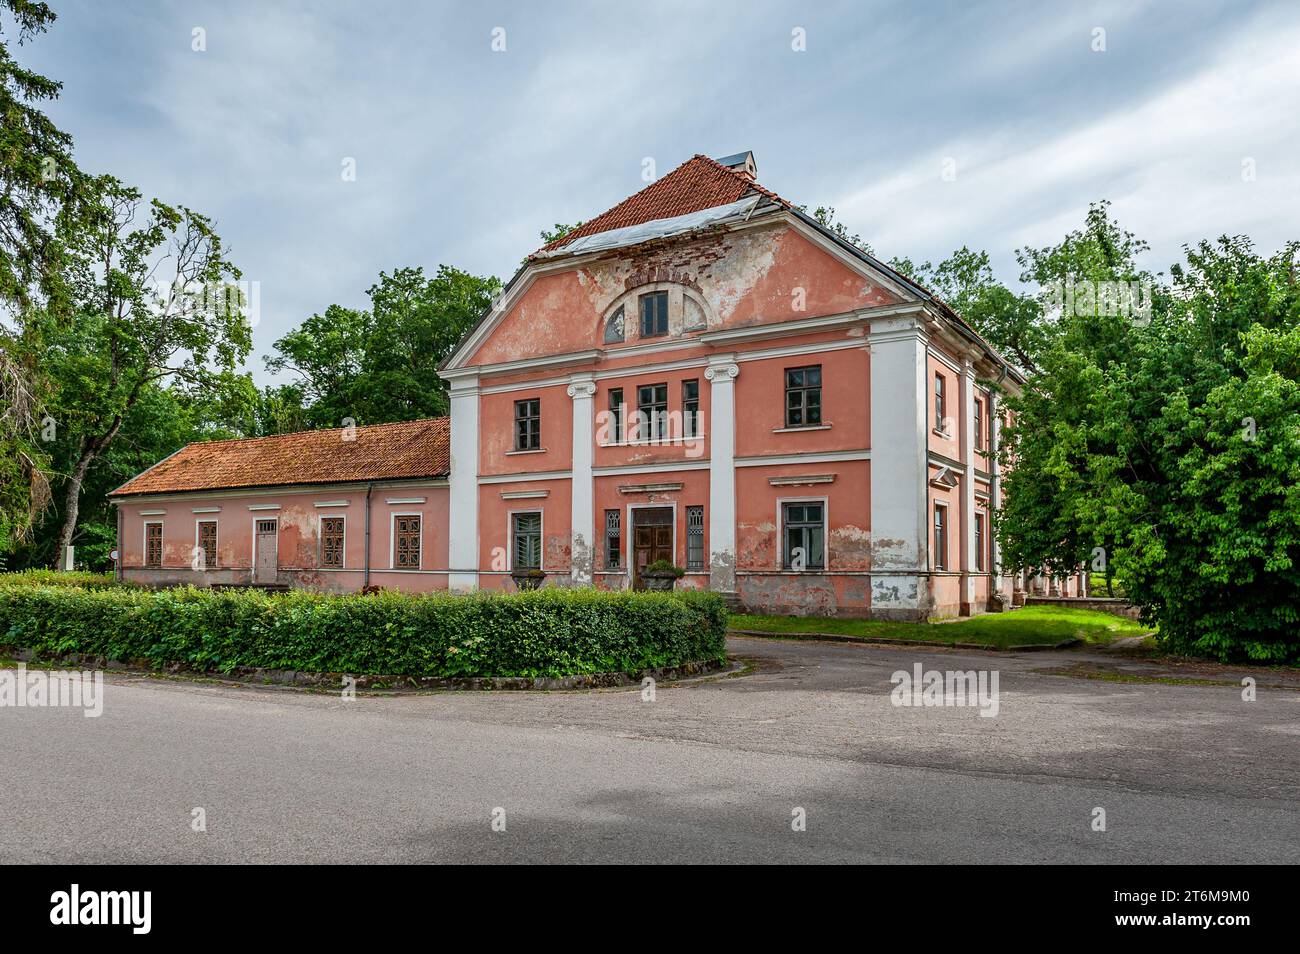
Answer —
(155, 304)
(381, 364)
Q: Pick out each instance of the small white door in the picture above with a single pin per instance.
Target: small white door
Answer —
(264, 566)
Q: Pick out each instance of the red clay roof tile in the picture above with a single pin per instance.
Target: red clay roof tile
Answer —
(411, 449)
(697, 184)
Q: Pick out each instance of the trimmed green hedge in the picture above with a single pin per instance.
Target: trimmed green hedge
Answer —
(59, 578)
(548, 632)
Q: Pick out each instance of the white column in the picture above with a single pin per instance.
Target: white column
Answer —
(462, 517)
(899, 476)
(721, 375)
(967, 435)
(995, 486)
(582, 519)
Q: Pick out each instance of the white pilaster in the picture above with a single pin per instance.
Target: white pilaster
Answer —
(462, 517)
(969, 562)
(721, 375)
(899, 477)
(582, 521)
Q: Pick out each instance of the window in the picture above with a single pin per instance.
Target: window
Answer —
(616, 414)
(207, 542)
(979, 424)
(695, 538)
(804, 528)
(979, 542)
(528, 424)
(803, 396)
(153, 544)
(406, 541)
(939, 403)
(652, 411)
(940, 537)
(331, 542)
(691, 408)
(614, 327)
(613, 539)
(654, 314)
(526, 529)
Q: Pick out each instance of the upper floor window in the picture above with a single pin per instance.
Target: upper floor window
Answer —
(654, 314)
(652, 412)
(616, 415)
(614, 327)
(979, 424)
(803, 396)
(528, 424)
(691, 408)
(940, 402)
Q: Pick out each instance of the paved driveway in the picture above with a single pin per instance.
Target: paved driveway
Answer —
(711, 770)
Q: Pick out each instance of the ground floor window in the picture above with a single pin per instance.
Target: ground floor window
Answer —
(613, 539)
(526, 530)
(940, 537)
(979, 542)
(207, 544)
(695, 538)
(804, 535)
(153, 549)
(331, 542)
(406, 542)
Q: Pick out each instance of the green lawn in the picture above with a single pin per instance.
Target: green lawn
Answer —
(1030, 624)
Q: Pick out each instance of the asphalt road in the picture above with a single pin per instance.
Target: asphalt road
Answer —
(710, 771)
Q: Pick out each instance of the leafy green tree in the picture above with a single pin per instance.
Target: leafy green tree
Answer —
(155, 304)
(39, 182)
(381, 365)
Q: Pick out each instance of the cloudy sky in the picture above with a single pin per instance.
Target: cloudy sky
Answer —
(464, 152)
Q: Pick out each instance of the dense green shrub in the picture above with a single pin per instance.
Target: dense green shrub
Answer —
(549, 632)
(59, 578)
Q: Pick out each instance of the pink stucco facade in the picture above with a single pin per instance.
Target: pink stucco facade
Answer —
(792, 423)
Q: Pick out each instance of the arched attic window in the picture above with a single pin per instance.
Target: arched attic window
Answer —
(614, 326)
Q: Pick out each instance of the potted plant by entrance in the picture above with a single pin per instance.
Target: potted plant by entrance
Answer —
(661, 575)
(527, 579)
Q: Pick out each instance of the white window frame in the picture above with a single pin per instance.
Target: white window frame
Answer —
(392, 540)
(780, 532)
(947, 543)
(208, 564)
(510, 537)
(320, 540)
(162, 545)
(253, 565)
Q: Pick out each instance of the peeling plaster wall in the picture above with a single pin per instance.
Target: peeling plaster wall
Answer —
(298, 538)
(748, 277)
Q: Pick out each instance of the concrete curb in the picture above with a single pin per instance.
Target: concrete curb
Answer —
(890, 641)
(334, 680)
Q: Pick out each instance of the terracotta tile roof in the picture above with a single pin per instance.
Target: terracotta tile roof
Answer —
(697, 184)
(410, 449)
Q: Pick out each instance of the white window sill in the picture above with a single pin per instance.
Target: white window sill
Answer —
(657, 442)
(805, 427)
(535, 450)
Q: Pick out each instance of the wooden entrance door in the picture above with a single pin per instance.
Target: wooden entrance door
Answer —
(264, 567)
(652, 539)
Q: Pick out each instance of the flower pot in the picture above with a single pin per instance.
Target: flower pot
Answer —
(528, 581)
(659, 582)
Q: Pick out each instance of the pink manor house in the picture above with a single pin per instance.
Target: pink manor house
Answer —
(703, 374)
